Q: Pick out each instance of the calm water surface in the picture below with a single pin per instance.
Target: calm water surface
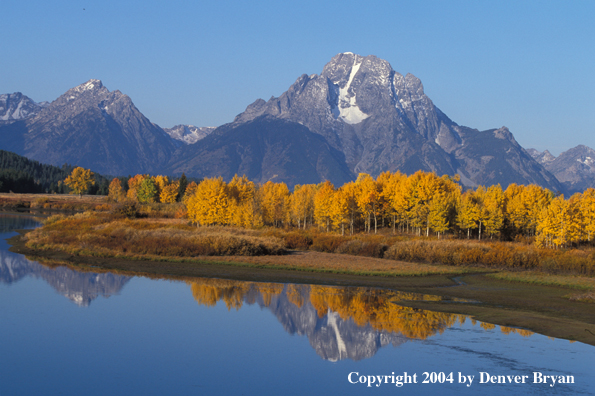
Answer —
(65, 332)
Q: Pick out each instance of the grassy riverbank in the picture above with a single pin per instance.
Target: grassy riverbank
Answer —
(556, 301)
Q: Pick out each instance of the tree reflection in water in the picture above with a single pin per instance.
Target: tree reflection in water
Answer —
(340, 322)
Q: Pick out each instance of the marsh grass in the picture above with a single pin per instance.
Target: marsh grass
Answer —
(114, 233)
(541, 278)
(87, 232)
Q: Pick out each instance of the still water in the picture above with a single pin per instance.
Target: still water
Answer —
(65, 332)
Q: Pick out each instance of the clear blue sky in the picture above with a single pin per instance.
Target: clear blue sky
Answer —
(527, 65)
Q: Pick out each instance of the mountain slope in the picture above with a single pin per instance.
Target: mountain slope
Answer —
(93, 128)
(263, 149)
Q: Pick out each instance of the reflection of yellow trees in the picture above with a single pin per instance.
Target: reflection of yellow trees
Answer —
(268, 290)
(209, 291)
(378, 308)
(511, 330)
(295, 294)
(375, 307)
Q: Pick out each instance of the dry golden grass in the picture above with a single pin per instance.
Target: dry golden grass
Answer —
(91, 234)
(171, 239)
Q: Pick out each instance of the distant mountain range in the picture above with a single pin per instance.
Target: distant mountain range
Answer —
(574, 168)
(358, 115)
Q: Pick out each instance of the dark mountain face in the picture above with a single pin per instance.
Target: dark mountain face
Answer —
(264, 149)
(494, 156)
(574, 168)
(91, 127)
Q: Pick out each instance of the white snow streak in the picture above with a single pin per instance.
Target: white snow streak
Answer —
(348, 110)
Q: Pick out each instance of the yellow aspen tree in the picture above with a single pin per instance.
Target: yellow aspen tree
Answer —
(384, 208)
(367, 199)
(302, 204)
(558, 227)
(467, 212)
(402, 201)
(322, 204)
(80, 180)
(116, 192)
(340, 209)
(209, 204)
(515, 207)
(588, 210)
(546, 227)
(190, 190)
(274, 196)
(494, 210)
(574, 220)
(438, 213)
(133, 186)
(390, 184)
(350, 191)
(479, 196)
(160, 183)
(535, 199)
(424, 186)
(169, 193)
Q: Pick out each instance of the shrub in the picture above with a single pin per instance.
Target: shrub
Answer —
(296, 240)
(127, 209)
(326, 243)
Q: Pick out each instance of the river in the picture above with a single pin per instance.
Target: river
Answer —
(66, 332)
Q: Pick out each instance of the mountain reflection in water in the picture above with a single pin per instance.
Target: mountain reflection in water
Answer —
(340, 322)
(79, 287)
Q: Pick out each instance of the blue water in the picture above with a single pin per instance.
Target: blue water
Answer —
(68, 333)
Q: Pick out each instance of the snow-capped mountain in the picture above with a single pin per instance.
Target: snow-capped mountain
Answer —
(17, 106)
(543, 158)
(381, 120)
(188, 134)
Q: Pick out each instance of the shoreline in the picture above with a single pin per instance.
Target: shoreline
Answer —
(540, 308)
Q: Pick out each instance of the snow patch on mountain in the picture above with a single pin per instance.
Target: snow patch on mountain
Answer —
(348, 109)
(188, 134)
(17, 106)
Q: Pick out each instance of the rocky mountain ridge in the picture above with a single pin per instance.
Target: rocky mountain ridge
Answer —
(382, 120)
(188, 134)
(358, 116)
(91, 127)
(17, 106)
(574, 168)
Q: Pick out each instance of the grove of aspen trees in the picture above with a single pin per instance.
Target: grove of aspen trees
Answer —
(423, 204)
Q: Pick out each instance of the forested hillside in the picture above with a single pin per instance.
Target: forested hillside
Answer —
(22, 175)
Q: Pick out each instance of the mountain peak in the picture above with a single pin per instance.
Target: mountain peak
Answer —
(17, 106)
(89, 85)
